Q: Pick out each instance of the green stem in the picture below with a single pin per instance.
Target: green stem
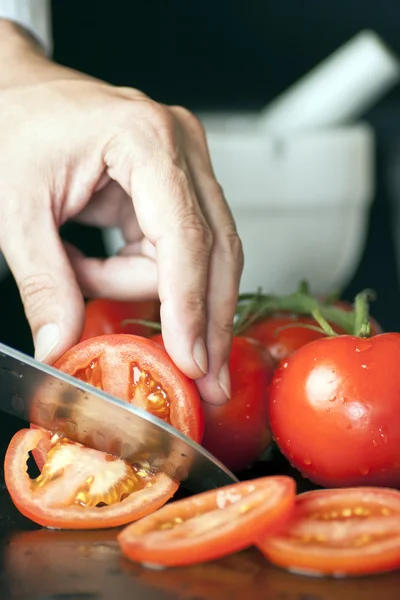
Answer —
(362, 325)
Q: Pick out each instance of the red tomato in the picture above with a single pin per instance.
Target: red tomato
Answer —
(210, 525)
(333, 409)
(281, 334)
(106, 316)
(238, 432)
(76, 482)
(339, 532)
(80, 488)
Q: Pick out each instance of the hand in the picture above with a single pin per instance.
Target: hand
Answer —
(73, 147)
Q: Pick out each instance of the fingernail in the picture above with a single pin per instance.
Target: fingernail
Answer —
(224, 380)
(46, 340)
(200, 355)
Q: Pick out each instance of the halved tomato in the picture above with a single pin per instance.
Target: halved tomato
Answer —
(339, 532)
(79, 487)
(210, 525)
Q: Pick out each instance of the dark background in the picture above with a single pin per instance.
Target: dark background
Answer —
(220, 54)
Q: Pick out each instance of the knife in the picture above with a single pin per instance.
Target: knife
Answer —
(53, 400)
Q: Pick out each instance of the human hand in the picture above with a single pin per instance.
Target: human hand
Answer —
(73, 147)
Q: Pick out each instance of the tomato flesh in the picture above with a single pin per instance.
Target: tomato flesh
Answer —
(210, 525)
(333, 409)
(352, 531)
(80, 488)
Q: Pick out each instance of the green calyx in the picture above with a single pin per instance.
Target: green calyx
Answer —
(252, 307)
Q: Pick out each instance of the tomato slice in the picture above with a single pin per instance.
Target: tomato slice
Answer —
(210, 525)
(339, 532)
(80, 488)
(139, 371)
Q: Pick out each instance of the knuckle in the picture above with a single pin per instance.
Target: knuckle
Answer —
(195, 303)
(188, 118)
(232, 247)
(37, 293)
(198, 236)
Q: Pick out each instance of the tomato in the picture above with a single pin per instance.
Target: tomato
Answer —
(238, 432)
(80, 488)
(104, 316)
(334, 410)
(210, 525)
(339, 532)
(282, 335)
(133, 369)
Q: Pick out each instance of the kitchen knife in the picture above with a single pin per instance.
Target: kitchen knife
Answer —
(53, 400)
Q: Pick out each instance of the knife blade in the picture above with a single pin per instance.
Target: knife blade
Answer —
(53, 400)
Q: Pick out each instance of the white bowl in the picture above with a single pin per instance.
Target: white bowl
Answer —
(301, 204)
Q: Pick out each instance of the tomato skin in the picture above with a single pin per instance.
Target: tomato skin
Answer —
(238, 432)
(212, 524)
(282, 343)
(33, 506)
(339, 532)
(333, 409)
(103, 316)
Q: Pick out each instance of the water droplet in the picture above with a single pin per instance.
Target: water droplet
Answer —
(364, 470)
(247, 417)
(358, 350)
(383, 433)
(288, 442)
(374, 443)
(314, 359)
(364, 367)
(284, 366)
(307, 461)
(344, 400)
(327, 409)
(333, 371)
(333, 399)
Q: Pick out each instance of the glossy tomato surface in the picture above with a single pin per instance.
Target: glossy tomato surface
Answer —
(282, 333)
(210, 525)
(103, 316)
(238, 432)
(334, 410)
(354, 531)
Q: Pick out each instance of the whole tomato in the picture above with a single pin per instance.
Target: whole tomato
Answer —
(103, 316)
(282, 335)
(238, 432)
(334, 410)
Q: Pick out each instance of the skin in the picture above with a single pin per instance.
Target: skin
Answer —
(75, 148)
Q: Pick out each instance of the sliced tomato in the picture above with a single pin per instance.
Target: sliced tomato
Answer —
(138, 371)
(80, 488)
(339, 532)
(103, 316)
(210, 525)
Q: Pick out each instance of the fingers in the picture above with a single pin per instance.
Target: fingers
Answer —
(226, 263)
(148, 164)
(121, 277)
(50, 294)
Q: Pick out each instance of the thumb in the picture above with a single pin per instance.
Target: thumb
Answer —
(52, 300)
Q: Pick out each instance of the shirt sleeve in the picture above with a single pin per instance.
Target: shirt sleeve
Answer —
(32, 15)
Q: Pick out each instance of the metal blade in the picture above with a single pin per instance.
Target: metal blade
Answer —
(53, 400)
